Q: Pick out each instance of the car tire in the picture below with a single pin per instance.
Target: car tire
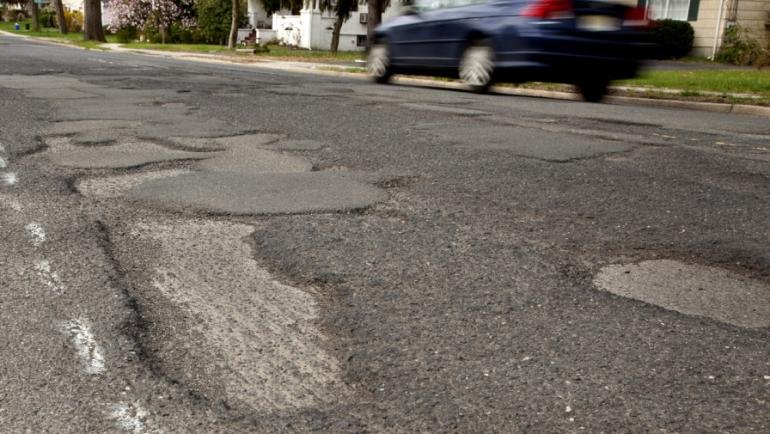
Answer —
(593, 90)
(477, 66)
(378, 64)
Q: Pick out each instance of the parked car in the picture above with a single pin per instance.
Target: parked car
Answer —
(583, 42)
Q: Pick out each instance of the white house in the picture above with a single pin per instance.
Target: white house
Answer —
(709, 19)
(312, 29)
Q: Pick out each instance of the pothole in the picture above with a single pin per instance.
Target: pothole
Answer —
(116, 186)
(269, 349)
(691, 289)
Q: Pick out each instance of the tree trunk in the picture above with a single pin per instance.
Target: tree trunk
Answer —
(92, 25)
(60, 20)
(234, 24)
(336, 34)
(34, 16)
(374, 9)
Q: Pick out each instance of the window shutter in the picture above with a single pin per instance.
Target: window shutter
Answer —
(692, 14)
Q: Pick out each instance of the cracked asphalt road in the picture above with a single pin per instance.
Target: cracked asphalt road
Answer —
(399, 259)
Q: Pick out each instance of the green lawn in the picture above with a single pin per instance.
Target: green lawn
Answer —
(722, 81)
(196, 48)
(321, 55)
(53, 33)
(274, 51)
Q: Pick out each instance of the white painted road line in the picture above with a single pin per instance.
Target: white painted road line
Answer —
(9, 178)
(79, 332)
(36, 233)
(3, 163)
(129, 417)
(51, 278)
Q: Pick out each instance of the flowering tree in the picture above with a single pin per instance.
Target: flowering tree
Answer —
(144, 14)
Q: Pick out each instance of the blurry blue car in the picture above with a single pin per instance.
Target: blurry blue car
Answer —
(583, 42)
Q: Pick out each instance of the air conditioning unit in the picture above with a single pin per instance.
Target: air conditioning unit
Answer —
(363, 18)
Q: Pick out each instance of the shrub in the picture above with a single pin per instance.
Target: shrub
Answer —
(126, 35)
(74, 21)
(182, 34)
(673, 38)
(214, 20)
(46, 17)
(17, 15)
(739, 48)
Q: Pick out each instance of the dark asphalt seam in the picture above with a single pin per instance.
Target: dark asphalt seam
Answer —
(135, 327)
(39, 147)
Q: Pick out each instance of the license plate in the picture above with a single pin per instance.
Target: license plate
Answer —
(598, 23)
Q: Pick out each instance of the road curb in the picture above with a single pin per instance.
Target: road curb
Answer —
(752, 110)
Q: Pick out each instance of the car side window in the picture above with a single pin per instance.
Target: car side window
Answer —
(461, 3)
(432, 5)
(427, 5)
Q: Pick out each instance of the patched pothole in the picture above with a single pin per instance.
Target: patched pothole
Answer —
(691, 289)
(258, 193)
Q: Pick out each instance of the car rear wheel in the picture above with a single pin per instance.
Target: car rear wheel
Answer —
(378, 63)
(593, 90)
(477, 66)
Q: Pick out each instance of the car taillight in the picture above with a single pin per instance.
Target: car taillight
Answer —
(636, 17)
(552, 9)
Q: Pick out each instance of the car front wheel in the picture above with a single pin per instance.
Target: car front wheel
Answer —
(378, 63)
(593, 90)
(477, 66)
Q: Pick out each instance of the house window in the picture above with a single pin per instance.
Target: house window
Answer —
(360, 40)
(680, 10)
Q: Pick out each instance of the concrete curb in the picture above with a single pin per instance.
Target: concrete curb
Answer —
(322, 69)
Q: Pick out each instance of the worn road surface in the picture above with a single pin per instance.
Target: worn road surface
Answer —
(190, 247)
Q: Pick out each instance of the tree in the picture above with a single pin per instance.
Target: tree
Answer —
(375, 10)
(92, 24)
(149, 14)
(33, 14)
(235, 16)
(342, 10)
(60, 19)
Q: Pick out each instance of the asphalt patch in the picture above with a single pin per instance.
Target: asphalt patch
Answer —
(121, 156)
(527, 142)
(692, 290)
(255, 160)
(445, 109)
(258, 194)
